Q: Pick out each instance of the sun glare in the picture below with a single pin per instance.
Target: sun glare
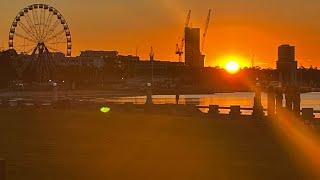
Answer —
(232, 67)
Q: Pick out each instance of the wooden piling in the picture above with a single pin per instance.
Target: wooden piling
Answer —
(308, 115)
(214, 110)
(235, 112)
(271, 104)
(257, 107)
(297, 102)
(279, 99)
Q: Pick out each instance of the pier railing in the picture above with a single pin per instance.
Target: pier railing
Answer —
(307, 114)
(227, 108)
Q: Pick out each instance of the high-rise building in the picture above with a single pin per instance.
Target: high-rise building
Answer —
(286, 53)
(287, 65)
(193, 56)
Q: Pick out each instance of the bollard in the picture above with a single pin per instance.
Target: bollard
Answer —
(235, 112)
(297, 103)
(279, 98)
(2, 169)
(308, 115)
(289, 101)
(271, 104)
(258, 113)
(149, 94)
(257, 107)
(214, 110)
(54, 92)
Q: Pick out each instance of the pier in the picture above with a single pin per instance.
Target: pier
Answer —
(215, 112)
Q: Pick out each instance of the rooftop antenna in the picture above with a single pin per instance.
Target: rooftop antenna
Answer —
(137, 50)
(151, 54)
(151, 60)
(252, 61)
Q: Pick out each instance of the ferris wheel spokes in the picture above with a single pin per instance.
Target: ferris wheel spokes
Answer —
(40, 24)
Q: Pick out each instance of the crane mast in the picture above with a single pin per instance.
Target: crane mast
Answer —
(179, 47)
(206, 30)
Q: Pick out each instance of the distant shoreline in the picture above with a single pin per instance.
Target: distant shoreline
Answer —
(95, 93)
(4, 94)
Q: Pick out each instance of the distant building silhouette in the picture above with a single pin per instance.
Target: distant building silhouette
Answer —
(101, 54)
(99, 59)
(287, 65)
(193, 56)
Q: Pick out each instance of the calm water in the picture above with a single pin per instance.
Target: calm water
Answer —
(244, 99)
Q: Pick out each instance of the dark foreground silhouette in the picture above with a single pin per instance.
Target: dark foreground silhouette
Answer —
(88, 144)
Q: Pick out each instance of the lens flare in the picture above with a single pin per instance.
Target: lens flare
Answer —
(301, 141)
(105, 109)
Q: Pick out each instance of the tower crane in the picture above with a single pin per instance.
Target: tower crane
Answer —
(206, 30)
(179, 47)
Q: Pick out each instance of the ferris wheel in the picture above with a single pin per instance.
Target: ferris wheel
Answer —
(38, 28)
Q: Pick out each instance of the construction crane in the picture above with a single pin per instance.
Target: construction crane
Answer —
(179, 47)
(206, 30)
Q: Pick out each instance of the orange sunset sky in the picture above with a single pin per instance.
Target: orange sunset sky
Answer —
(239, 29)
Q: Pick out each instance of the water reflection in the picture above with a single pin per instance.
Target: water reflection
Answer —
(244, 99)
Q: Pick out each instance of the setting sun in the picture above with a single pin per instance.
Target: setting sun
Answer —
(232, 67)
(233, 63)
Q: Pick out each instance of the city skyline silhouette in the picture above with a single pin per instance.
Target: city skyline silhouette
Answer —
(160, 89)
(241, 29)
